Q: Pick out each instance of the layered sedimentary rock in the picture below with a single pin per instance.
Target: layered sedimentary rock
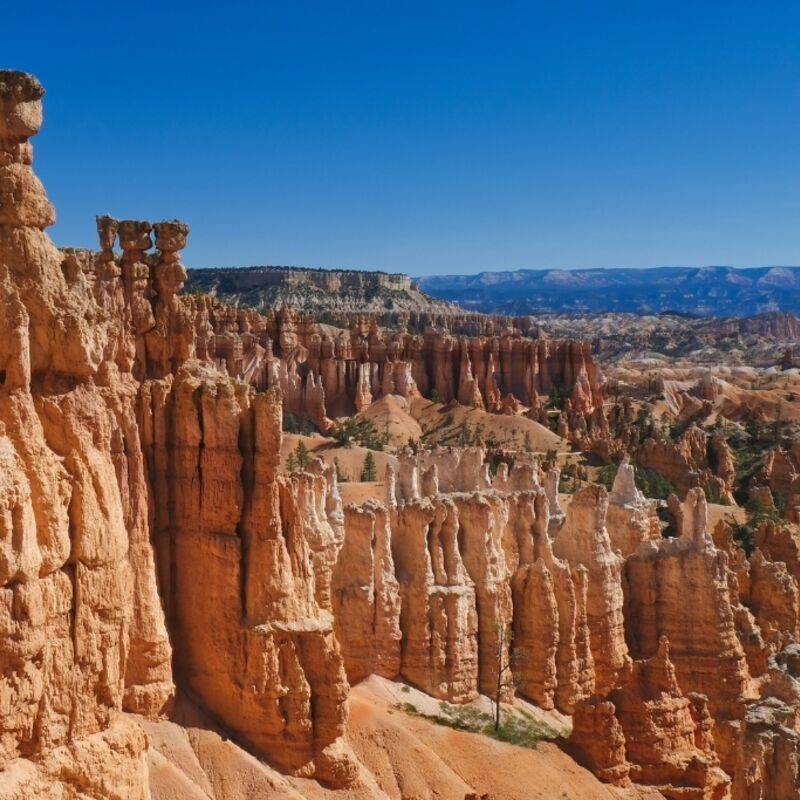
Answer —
(316, 290)
(366, 595)
(679, 589)
(768, 753)
(83, 633)
(649, 732)
(95, 464)
(481, 524)
(438, 618)
(246, 560)
(631, 518)
(780, 473)
(551, 632)
(694, 459)
(457, 470)
(475, 585)
(325, 372)
(583, 541)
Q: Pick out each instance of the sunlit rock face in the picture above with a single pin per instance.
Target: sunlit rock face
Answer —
(83, 630)
(113, 437)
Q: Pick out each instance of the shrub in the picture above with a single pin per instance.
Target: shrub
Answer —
(607, 474)
(292, 423)
(558, 397)
(521, 729)
(653, 483)
(326, 318)
(744, 538)
(361, 431)
(758, 513)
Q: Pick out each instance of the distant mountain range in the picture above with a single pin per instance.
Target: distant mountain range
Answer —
(703, 291)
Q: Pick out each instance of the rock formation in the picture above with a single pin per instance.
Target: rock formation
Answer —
(584, 542)
(694, 459)
(631, 519)
(366, 595)
(97, 464)
(679, 589)
(246, 558)
(768, 754)
(152, 544)
(83, 631)
(649, 732)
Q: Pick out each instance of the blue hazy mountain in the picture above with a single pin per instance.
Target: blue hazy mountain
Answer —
(705, 291)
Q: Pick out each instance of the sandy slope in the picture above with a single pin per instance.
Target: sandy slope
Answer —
(403, 757)
(504, 429)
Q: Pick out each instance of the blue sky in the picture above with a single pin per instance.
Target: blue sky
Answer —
(425, 137)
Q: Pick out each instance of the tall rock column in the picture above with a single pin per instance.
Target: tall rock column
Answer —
(481, 520)
(250, 555)
(366, 595)
(679, 589)
(438, 619)
(584, 542)
(81, 629)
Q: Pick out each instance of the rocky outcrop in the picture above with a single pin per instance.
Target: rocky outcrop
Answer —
(649, 732)
(780, 543)
(366, 595)
(583, 541)
(768, 753)
(247, 559)
(113, 436)
(83, 631)
(323, 371)
(679, 589)
(457, 470)
(335, 291)
(694, 459)
(472, 569)
(438, 618)
(551, 632)
(631, 519)
(481, 525)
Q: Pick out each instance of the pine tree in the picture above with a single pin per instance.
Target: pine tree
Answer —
(369, 471)
(302, 455)
(505, 660)
(526, 442)
(291, 462)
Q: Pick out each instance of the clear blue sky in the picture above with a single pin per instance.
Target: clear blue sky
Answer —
(425, 137)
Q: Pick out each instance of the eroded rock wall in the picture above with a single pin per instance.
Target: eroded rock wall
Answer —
(83, 633)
